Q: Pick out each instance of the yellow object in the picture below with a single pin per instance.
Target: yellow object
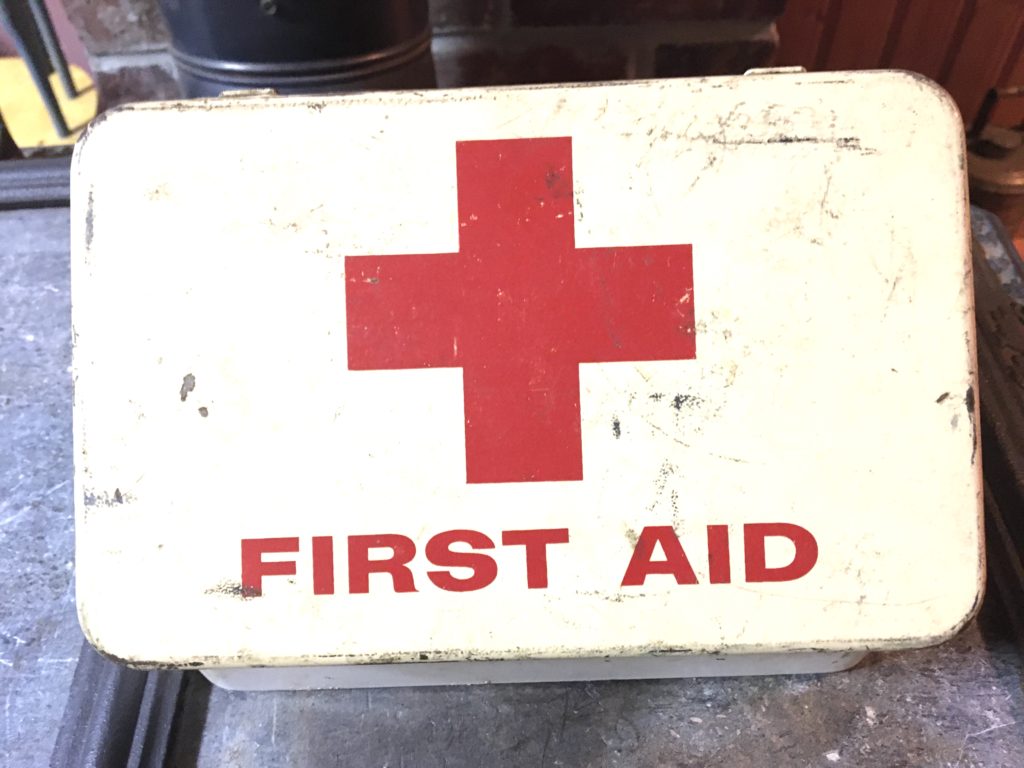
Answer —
(25, 113)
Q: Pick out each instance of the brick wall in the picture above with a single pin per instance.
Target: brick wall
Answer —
(488, 42)
(127, 44)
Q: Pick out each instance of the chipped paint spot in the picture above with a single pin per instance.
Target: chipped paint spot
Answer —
(690, 401)
(969, 404)
(89, 220)
(93, 498)
(231, 589)
(188, 383)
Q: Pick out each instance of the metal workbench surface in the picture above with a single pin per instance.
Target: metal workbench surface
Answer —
(960, 704)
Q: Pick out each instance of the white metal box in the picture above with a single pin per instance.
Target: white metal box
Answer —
(644, 379)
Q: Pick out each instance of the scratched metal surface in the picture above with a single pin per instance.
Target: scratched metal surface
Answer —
(957, 705)
(961, 704)
(39, 635)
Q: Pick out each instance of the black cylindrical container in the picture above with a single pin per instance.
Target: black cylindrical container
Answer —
(300, 46)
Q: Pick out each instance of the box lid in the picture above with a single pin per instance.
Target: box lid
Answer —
(665, 366)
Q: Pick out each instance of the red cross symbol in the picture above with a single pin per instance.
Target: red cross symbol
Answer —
(518, 308)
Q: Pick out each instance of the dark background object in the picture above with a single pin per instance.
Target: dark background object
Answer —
(35, 182)
(996, 162)
(299, 46)
(999, 311)
(965, 45)
(117, 716)
(8, 147)
(67, 35)
(481, 42)
(29, 26)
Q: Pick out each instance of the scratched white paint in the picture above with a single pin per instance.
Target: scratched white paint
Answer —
(835, 354)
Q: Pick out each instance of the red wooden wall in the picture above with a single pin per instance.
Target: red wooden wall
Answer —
(967, 46)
